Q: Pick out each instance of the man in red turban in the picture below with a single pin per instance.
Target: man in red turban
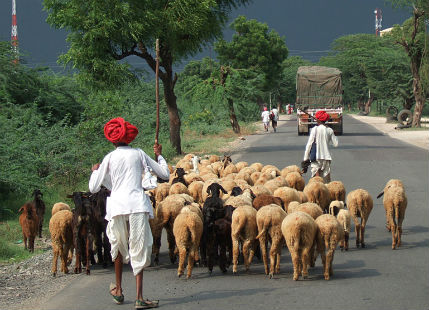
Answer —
(128, 208)
(118, 130)
(317, 151)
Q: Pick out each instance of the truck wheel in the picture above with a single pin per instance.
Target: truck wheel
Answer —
(405, 117)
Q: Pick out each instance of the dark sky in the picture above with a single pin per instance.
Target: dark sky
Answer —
(309, 26)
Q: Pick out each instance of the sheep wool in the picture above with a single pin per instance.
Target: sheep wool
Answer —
(269, 220)
(60, 227)
(329, 233)
(360, 204)
(299, 231)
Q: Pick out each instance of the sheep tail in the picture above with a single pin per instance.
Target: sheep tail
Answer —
(265, 227)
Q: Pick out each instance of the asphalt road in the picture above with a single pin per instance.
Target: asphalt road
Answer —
(372, 278)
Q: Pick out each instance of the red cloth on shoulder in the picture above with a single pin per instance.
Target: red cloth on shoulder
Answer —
(321, 116)
(118, 130)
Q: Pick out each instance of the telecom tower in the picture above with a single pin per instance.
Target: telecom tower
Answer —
(14, 35)
(378, 19)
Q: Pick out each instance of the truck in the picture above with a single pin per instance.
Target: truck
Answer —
(319, 88)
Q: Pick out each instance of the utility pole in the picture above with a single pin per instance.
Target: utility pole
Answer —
(14, 34)
(378, 19)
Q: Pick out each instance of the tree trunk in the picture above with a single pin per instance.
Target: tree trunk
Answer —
(224, 71)
(368, 105)
(233, 117)
(173, 114)
(418, 95)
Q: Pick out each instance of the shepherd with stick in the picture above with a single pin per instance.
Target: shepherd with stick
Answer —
(128, 208)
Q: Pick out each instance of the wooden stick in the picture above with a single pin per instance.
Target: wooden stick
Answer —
(157, 91)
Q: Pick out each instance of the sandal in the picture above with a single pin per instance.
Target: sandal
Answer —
(146, 304)
(117, 299)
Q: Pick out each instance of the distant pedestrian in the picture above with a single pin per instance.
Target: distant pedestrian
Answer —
(319, 138)
(265, 118)
(128, 208)
(274, 116)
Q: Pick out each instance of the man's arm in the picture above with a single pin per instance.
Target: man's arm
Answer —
(99, 176)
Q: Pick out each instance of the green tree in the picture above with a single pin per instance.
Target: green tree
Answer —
(102, 33)
(413, 37)
(287, 88)
(253, 47)
(372, 68)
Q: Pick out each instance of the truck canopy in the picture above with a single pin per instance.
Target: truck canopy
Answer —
(318, 87)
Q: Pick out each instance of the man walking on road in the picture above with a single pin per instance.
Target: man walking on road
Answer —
(274, 118)
(317, 150)
(128, 208)
(265, 118)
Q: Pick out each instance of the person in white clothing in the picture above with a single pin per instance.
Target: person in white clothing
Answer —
(265, 118)
(274, 118)
(322, 136)
(128, 208)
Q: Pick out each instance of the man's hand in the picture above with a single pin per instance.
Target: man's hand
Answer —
(95, 167)
(157, 149)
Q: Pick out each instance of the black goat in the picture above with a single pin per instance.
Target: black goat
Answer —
(212, 210)
(222, 229)
(180, 172)
(83, 230)
(101, 240)
(40, 208)
(236, 191)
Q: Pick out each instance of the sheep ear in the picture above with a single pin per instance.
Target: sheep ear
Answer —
(223, 190)
(381, 194)
(21, 209)
(69, 196)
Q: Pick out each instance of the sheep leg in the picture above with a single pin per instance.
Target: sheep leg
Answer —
(263, 246)
(203, 248)
(246, 250)
(305, 261)
(191, 257)
(171, 245)
(182, 259)
(54, 259)
(64, 250)
(362, 233)
(274, 255)
(296, 263)
(357, 230)
(254, 250)
(235, 252)
(400, 220)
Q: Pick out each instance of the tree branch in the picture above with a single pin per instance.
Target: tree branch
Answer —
(124, 53)
(149, 59)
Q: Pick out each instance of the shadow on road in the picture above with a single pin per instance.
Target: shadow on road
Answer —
(216, 294)
(362, 134)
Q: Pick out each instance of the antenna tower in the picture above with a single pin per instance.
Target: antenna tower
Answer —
(378, 19)
(14, 34)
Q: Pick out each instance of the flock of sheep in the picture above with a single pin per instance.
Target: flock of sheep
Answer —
(212, 206)
(213, 209)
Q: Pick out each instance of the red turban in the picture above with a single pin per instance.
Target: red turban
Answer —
(322, 116)
(118, 130)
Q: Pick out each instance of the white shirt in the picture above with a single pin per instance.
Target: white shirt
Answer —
(276, 114)
(265, 116)
(121, 172)
(324, 135)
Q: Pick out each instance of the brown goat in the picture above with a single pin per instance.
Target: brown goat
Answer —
(29, 222)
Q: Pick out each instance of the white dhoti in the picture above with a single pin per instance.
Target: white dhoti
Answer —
(131, 236)
(324, 168)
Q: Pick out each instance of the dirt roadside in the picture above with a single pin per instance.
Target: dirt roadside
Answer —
(418, 138)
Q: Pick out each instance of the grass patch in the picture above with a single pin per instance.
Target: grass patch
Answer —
(11, 243)
(195, 142)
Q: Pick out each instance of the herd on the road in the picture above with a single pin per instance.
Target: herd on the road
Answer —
(213, 210)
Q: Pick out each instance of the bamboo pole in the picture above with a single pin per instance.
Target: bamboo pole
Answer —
(157, 91)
